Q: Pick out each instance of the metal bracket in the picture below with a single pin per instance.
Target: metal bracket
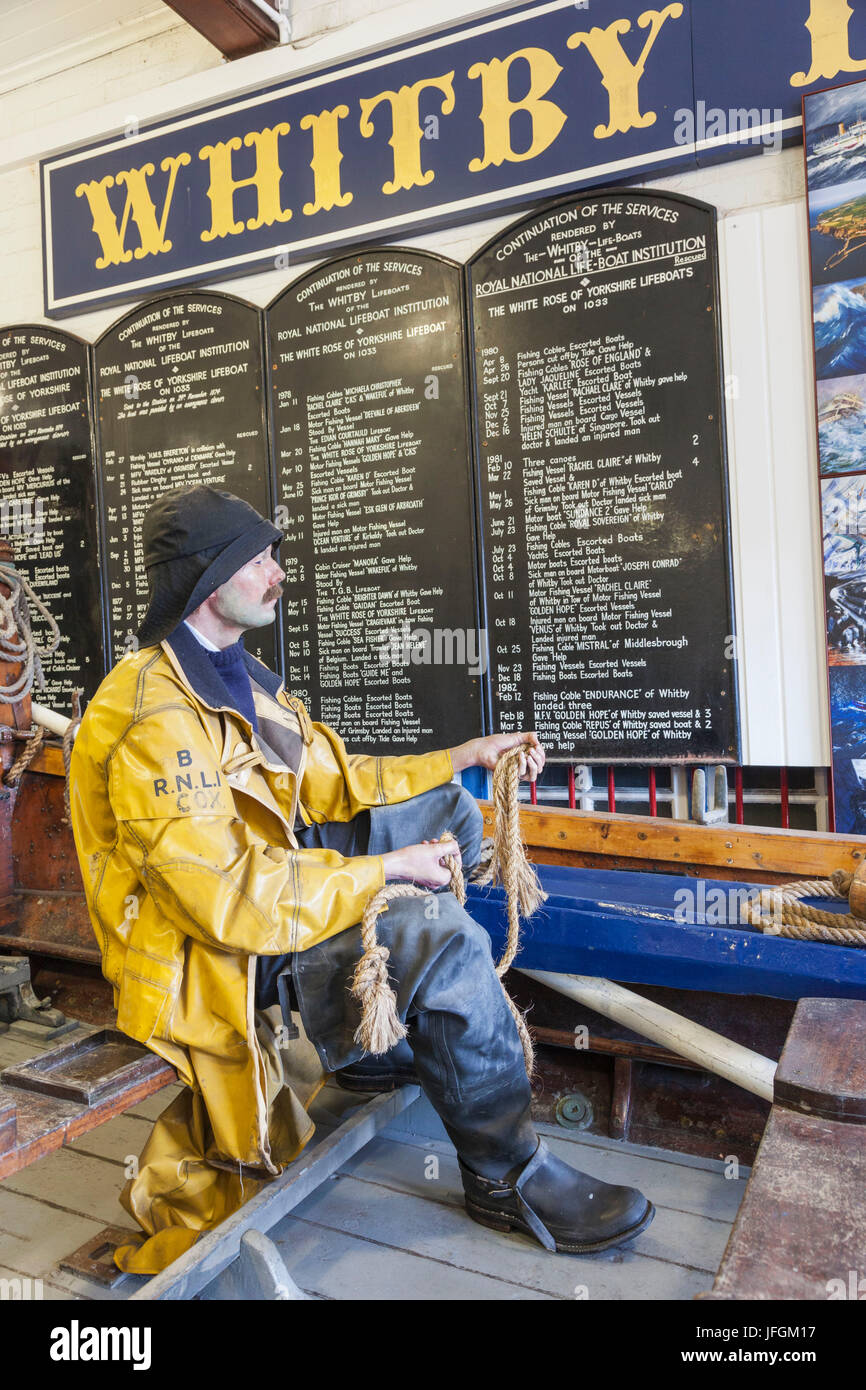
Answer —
(14, 972)
(284, 992)
(94, 1260)
(702, 811)
(280, 13)
(17, 1000)
(262, 1272)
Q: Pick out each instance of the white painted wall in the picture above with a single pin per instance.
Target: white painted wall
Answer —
(116, 58)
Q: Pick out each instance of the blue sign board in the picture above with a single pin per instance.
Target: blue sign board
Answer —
(509, 108)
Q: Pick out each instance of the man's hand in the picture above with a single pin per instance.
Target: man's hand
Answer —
(421, 864)
(486, 752)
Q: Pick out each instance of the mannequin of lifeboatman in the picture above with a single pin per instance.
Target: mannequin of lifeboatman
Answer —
(254, 842)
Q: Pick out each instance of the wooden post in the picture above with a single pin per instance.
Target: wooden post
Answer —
(800, 1232)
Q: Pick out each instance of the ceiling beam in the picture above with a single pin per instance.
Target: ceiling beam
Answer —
(236, 27)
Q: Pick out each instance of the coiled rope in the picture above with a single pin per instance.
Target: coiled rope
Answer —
(381, 1027)
(16, 637)
(780, 912)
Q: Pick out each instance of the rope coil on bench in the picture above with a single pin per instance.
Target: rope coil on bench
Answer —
(786, 915)
(381, 1027)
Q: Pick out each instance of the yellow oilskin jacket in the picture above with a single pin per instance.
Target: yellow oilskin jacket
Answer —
(183, 821)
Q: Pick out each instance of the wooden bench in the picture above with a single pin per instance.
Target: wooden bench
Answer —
(801, 1228)
(656, 844)
(60, 1094)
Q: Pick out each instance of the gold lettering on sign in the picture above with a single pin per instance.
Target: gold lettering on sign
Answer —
(831, 54)
(619, 76)
(497, 106)
(266, 181)
(139, 206)
(406, 132)
(326, 160)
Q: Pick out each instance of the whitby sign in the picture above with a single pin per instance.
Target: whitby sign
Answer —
(516, 106)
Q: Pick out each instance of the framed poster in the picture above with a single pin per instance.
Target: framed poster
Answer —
(180, 396)
(371, 442)
(602, 483)
(48, 500)
(835, 153)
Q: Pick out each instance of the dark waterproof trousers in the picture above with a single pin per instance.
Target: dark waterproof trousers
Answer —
(466, 1048)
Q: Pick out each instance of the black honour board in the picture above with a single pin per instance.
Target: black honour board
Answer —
(48, 500)
(180, 402)
(602, 482)
(374, 491)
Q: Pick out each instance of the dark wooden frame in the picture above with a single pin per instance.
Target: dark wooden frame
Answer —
(235, 27)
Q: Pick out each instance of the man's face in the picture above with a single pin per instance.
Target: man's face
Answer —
(249, 598)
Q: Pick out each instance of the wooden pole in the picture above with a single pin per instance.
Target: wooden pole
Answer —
(54, 723)
(700, 1045)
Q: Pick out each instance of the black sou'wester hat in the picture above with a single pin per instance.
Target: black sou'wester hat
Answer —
(195, 539)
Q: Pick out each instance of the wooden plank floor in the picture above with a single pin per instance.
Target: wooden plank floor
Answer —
(391, 1224)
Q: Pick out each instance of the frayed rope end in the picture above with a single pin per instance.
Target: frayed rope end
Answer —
(380, 1028)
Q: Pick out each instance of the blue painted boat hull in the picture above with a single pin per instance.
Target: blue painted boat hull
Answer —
(636, 927)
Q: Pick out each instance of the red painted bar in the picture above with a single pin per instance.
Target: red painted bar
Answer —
(533, 793)
(783, 788)
(572, 799)
(652, 791)
(738, 784)
(611, 791)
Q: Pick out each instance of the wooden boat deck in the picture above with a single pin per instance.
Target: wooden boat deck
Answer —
(388, 1226)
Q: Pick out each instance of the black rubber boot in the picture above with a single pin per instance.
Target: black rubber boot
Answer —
(386, 1073)
(567, 1211)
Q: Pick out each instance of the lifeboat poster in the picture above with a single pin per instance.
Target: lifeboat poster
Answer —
(834, 123)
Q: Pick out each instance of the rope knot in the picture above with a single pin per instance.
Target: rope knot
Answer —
(841, 881)
(25, 758)
(380, 1027)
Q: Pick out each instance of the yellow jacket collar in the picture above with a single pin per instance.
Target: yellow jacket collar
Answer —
(200, 675)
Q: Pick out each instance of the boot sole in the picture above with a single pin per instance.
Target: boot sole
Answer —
(499, 1221)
